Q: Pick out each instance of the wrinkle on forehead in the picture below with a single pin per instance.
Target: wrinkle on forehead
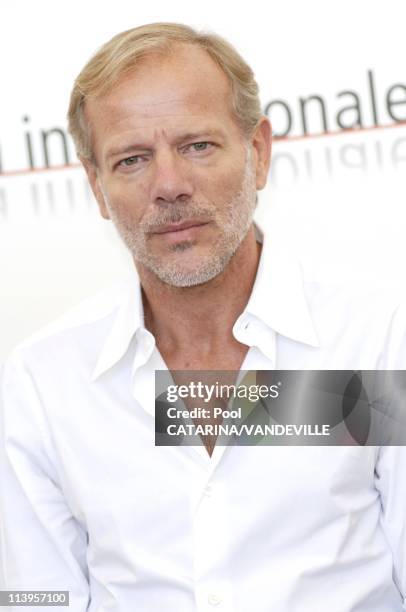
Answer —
(160, 120)
(162, 101)
(159, 109)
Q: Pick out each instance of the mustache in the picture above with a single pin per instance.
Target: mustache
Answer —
(179, 214)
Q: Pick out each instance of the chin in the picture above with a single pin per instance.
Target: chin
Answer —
(196, 272)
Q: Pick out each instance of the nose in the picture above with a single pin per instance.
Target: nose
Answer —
(171, 181)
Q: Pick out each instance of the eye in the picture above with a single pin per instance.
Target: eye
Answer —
(199, 147)
(129, 161)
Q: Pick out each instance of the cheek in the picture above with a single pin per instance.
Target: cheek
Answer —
(223, 187)
(126, 201)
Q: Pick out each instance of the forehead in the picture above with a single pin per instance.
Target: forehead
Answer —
(174, 90)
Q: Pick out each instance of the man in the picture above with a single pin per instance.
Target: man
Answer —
(167, 124)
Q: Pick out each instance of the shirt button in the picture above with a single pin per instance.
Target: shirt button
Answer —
(214, 599)
(208, 491)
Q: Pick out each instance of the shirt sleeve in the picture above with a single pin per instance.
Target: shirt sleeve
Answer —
(394, 350)
(390, 469)
(42, 545)
(390, 479)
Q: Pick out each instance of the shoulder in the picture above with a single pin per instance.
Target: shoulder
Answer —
(348, 299)
(77, 334)
(369, 317)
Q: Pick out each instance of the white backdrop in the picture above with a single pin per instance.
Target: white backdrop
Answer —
(338, 200)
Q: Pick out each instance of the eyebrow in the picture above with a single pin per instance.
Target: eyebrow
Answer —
(143, 147)
(201, 134)
(128, 149)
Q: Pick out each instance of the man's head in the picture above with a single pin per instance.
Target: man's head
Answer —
(168, 125)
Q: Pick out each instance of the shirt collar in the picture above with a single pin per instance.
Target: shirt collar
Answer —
(277, 302)
(278, 298)
(128, 319)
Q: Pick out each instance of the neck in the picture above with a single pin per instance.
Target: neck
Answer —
(176, 315)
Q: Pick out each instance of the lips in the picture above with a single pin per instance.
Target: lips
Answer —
(178, 227)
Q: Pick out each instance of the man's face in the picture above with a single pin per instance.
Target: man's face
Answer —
(173, 170)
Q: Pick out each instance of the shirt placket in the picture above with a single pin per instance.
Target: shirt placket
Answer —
(213, 586)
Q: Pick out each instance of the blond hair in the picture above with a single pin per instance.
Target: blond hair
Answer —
(120, 55)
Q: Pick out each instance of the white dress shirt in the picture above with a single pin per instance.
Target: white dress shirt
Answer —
(89, 504)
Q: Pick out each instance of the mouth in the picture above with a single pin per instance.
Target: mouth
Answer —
(179, 228)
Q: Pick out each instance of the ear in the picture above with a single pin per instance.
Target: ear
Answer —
(262, 144)
(93, 177)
